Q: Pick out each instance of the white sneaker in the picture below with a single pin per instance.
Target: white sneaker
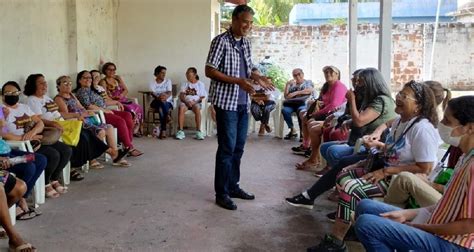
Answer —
(199, 135)
(180, 135)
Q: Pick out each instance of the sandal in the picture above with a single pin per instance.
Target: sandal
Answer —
(96, 165)
(25, 215)
(306, 166)
(59, 188)
(3, 234)
(21, 248)
(76, 176)
(122, 163)
(135, 153)
(50, 192)
(120, 155)
(290, 135)
(35, 210)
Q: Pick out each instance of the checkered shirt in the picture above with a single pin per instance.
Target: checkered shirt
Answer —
(224, 56)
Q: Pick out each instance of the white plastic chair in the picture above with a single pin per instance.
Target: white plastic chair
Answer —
(210, 124)
(189, 116)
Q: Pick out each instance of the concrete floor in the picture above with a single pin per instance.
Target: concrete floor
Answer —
(165, 202)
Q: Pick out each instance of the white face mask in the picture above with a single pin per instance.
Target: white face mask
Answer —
(445, 134)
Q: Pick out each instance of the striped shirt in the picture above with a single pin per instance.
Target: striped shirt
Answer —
(225, 57)
(457, 202)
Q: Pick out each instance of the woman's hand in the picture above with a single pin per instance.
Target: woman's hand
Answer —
(5, 163)
(6, 112)
(397, 216)
(108, 111)
(371, 141)
(28, 136)
(350, 95)
(328, 121)
(57, 126)
(375, 176)
(346, 126)
(120, 106)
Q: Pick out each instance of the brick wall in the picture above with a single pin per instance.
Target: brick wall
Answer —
(312, 47)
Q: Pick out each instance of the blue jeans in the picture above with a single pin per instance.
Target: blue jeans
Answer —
(335, 150)
(286, 111)
(380, 234)
(28, 172)
(231, 135)
(162, 108)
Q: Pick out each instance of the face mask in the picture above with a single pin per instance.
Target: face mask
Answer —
(445, 134)
(11, 99)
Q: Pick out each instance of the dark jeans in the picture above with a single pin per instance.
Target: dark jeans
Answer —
(287, 110)
(162, 108)
(28, 172)
(328, 180)
(231, 135)
(58, 155)
(379, 234)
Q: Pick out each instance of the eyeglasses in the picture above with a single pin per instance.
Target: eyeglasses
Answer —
(14, 93)
(67, 83)
(403, 96)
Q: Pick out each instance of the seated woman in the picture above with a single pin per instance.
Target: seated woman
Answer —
(330, 100)
(117, 90)
(377, 108)
(445, 226)
(297, 91)
(419, 187)
(411, 146)
(163, 101)
(11, 191)
(27, 174)
(263, 103)
(70, 108)
(96, 87)
(121, 120)
(89, 146)
(192, 93)
(18, 122)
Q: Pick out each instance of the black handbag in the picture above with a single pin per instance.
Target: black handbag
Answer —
(376, 158)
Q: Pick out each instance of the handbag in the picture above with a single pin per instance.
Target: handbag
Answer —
(51, 135)
(376, 158)
(71, 131)
(296, 100)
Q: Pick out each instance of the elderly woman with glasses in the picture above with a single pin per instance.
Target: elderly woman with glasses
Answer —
(411, 146)
(297, 91)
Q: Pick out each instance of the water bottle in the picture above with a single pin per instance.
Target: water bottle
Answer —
(20, 160)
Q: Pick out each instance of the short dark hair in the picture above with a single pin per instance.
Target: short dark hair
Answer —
(11, 83)
(462, 109)
(194, 70)
(241, 9)
(106, 65)
(158, 70)
(30, 86)
(94, 71)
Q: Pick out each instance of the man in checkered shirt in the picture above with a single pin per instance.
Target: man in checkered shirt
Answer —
(229, 67)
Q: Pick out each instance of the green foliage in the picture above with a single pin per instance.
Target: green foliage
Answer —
(338, 21)
(273, 12)
(279, 76)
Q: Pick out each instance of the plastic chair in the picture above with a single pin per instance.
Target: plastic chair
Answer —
(189, 116)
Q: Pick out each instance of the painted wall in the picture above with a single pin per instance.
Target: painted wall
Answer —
(54, 37)
(172, 33)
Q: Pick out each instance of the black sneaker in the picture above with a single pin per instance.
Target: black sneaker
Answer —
(241, 194)
(329, 243)
(331, 216)
(300, 150)
(307, 153)
(300, 201)
(226, 202)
